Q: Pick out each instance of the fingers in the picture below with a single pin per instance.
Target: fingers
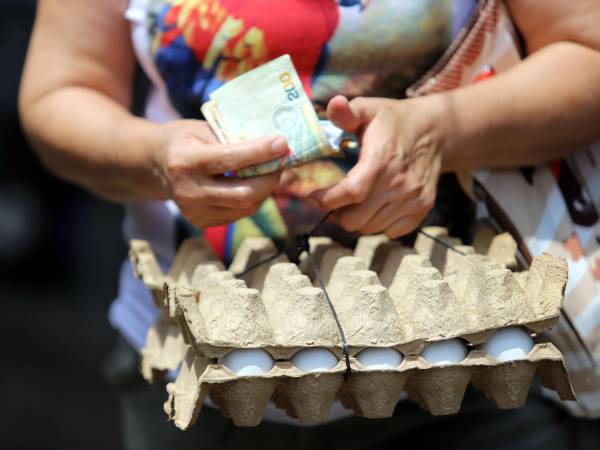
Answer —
(388, 201)
(239, 194)
(354, 218)
(378, 149)
(223, 158)
(403, 226)
(376, 215)
(397, 219)
(341, 114)
(412, 202)
(354, 188)
(220, 201)
(262, 186)
(385, 218)
(218, 216)
(349, 116)
(382, 220)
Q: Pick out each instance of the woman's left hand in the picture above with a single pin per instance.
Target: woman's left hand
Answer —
(393, 185)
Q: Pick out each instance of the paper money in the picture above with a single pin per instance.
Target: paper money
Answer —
(268, 101)
(209, 110)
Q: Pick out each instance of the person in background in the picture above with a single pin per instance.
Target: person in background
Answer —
(355, 59)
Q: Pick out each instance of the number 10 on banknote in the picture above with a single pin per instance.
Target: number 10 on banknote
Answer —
(267, 101)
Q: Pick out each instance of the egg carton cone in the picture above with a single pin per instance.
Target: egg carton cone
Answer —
(307, 397)
(429, 294)
(325, 252)
(501, 248)
(165, 345)
(164, 350)
(187, 394)
(191, 253)
(373, 394)
(250, 253)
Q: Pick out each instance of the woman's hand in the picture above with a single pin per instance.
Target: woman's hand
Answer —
(190, 163)
(393, 185)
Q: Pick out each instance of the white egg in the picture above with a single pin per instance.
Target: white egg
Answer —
(509, 344)
(380, 358)
(248, 361)
(451, 351)
(314, 360)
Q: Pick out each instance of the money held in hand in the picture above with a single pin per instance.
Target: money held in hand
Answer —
(267, 101)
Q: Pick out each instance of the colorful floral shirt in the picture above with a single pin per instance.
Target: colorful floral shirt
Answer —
(349, 47)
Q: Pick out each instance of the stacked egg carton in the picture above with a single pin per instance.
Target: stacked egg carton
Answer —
(165, 347)
(386, 296)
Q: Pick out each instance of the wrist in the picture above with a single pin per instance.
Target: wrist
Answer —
(438, 123)
(144, 157)
(156, 157)
(447, 130)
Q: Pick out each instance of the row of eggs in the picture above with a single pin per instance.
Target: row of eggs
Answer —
(507, 344)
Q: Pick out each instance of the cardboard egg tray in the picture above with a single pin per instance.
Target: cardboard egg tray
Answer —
(165, 347)
(385, 295)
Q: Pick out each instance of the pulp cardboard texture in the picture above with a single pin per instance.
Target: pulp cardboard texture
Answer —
(385, 295)
(165, 346)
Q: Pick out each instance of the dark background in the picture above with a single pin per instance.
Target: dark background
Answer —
(60, 251)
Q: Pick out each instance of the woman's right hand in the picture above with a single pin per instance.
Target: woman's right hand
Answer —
(190, 164)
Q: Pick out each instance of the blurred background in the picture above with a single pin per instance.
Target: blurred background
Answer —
(60, 251)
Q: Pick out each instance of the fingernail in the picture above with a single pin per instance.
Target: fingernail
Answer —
(280, 146)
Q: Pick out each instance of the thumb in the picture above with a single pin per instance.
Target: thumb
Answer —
(350, 116)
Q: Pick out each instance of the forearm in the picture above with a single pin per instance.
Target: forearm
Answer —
(540, 109)
(74, 99)
(86, 137)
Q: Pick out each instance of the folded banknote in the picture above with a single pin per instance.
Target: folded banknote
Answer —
(268, 101)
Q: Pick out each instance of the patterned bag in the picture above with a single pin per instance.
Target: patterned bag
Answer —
(551, 208)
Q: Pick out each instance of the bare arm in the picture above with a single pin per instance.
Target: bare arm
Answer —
(74, 103)
(544, 107)
(74, 97)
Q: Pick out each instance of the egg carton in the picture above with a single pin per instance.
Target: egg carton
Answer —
(165, 346)
(421, 295)
(385, 295)
(368, 393)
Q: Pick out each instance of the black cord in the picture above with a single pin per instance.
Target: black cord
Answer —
(293, 254)
(303, 245)
(441, 242)
(260, 263)
(345, 351)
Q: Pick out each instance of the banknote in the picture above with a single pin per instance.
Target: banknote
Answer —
(267, 101)
(209, 111)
